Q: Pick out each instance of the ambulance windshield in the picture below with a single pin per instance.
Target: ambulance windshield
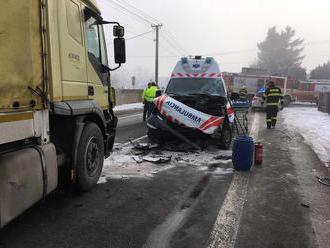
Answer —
(189, 86)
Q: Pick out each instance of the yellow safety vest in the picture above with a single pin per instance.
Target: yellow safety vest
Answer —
(150, 93)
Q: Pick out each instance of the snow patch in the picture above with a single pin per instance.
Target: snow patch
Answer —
(314, 126)
(131, 106)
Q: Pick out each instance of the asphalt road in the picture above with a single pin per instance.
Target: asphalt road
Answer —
(175, 207)
(183, 205)
(130, 126)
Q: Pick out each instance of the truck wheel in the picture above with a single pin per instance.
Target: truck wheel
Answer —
(226, 136)
(90, 156)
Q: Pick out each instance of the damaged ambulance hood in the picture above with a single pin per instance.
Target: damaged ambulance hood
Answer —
(209, 104)
(178, 112)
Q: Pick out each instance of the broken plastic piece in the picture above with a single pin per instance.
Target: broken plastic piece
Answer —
(222, 157)
(304, 205)
(157, 159)
(137, 159)
(143, 146)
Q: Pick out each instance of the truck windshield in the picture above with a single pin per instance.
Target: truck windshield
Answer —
(186, 86)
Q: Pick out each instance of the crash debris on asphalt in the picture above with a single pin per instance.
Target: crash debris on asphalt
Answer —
(145, 160)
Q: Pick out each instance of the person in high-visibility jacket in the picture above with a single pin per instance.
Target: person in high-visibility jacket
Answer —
(243, 94)
(149, 96)
(273, 99)
(145, 108)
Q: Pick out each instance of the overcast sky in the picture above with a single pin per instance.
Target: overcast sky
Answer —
(228, 30)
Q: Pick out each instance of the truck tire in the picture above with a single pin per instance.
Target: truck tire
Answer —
(90, 156)
(226, 136)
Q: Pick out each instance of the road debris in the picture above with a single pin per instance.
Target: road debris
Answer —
(157, 159)
(222, 157)
(137, 159)
(304, 205)
(143, 146)
(140, 152)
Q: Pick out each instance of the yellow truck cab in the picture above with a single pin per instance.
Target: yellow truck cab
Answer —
(56, 117)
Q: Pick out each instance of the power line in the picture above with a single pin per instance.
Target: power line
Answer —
(128, 8)
(139, 35)
(133, 17)
(169, 51)
(135, 33)
(131, 12)
(173, 38)
(172, 45)
(141, 11)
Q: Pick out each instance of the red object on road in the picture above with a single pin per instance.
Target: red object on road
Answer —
(259, 150)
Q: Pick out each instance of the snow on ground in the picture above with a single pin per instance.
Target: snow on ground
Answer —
(122, 164)
(303, 103)
(314, 126)
(131, 106)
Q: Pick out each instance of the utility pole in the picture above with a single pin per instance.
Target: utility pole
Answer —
(157, 26)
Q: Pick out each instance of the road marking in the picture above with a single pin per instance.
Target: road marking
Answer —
(135, 140)
(255, 126)
(226, 226)
(129, 116)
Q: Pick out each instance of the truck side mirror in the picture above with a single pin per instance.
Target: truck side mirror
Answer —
(120, 50)
(118, 31)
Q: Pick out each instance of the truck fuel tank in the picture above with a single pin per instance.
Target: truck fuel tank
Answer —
(26, 176)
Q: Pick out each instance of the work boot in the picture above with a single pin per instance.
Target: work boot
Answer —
(273, 123)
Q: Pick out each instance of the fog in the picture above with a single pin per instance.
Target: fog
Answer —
(226, 30)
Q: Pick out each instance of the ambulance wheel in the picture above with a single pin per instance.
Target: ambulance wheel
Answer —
(226, 136)
(90, 156)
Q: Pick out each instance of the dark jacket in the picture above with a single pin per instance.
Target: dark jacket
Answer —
(273, 96)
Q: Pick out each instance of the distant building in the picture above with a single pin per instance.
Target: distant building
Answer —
(320, 85)
(253, 71)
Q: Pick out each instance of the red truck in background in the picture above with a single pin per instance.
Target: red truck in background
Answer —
(294, 90)
(308, 91)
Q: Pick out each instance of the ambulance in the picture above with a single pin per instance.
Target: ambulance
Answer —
(194, 104)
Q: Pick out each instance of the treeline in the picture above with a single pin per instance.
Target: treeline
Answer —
(321, 71)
